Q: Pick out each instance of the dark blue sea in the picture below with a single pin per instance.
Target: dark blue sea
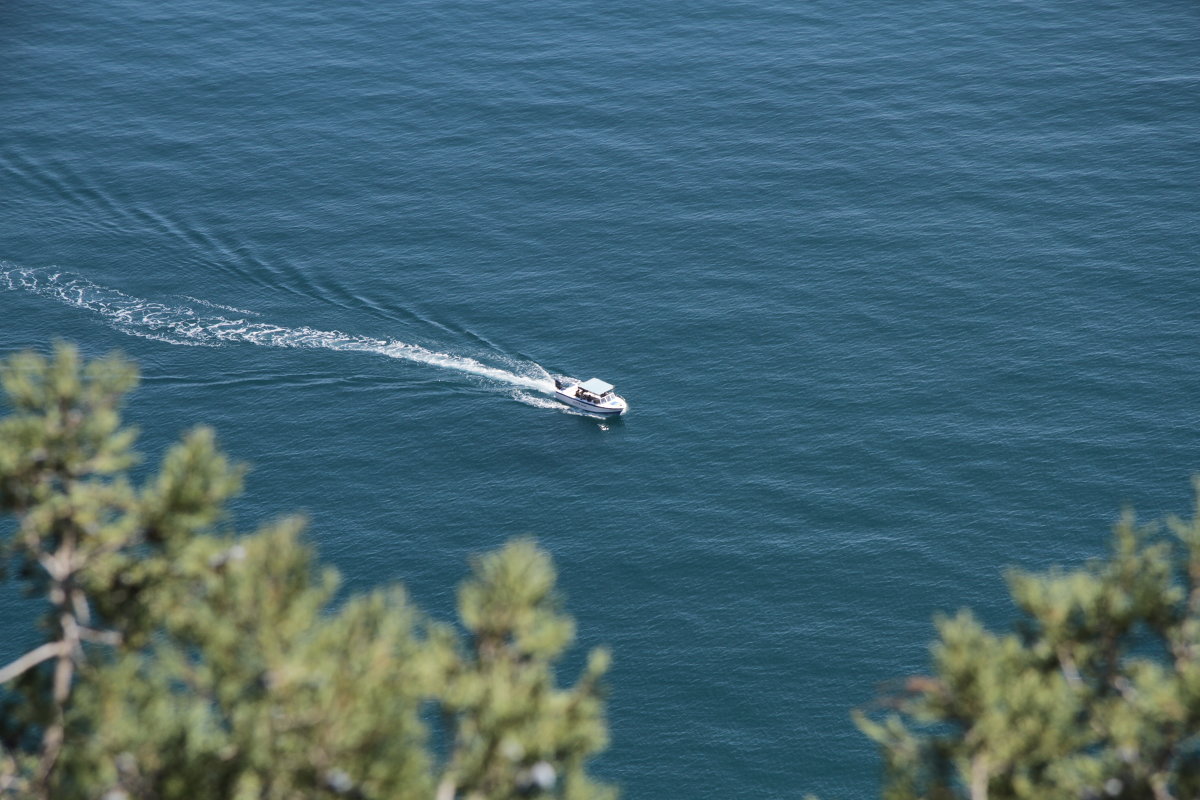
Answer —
(900, 295)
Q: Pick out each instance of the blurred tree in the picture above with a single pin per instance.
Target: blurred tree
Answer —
(1095, 695)
(180, 661)
(514, 733)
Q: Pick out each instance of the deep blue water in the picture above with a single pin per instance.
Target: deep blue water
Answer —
(900, 295)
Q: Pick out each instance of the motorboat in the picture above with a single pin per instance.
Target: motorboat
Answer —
(593, 395)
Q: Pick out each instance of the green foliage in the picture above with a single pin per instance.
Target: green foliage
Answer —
(512, 727)
(1096, 695)
(182, 661)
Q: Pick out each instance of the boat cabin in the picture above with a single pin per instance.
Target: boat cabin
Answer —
(593, 390)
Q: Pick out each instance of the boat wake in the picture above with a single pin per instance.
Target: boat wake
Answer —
(201, 325)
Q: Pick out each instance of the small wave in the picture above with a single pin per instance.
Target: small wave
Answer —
(211, 304)
(186, 325)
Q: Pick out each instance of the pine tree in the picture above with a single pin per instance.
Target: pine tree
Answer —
(514, 732)
(183, 661)
(1096, 694)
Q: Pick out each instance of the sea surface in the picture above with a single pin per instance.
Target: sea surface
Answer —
(900, 295)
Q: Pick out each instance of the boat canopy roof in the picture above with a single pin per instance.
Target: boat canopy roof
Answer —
(596, 386)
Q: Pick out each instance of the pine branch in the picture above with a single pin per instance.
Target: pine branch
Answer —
(31, 659)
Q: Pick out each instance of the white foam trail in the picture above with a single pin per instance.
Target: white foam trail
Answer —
(185, 325)
(539, 402)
